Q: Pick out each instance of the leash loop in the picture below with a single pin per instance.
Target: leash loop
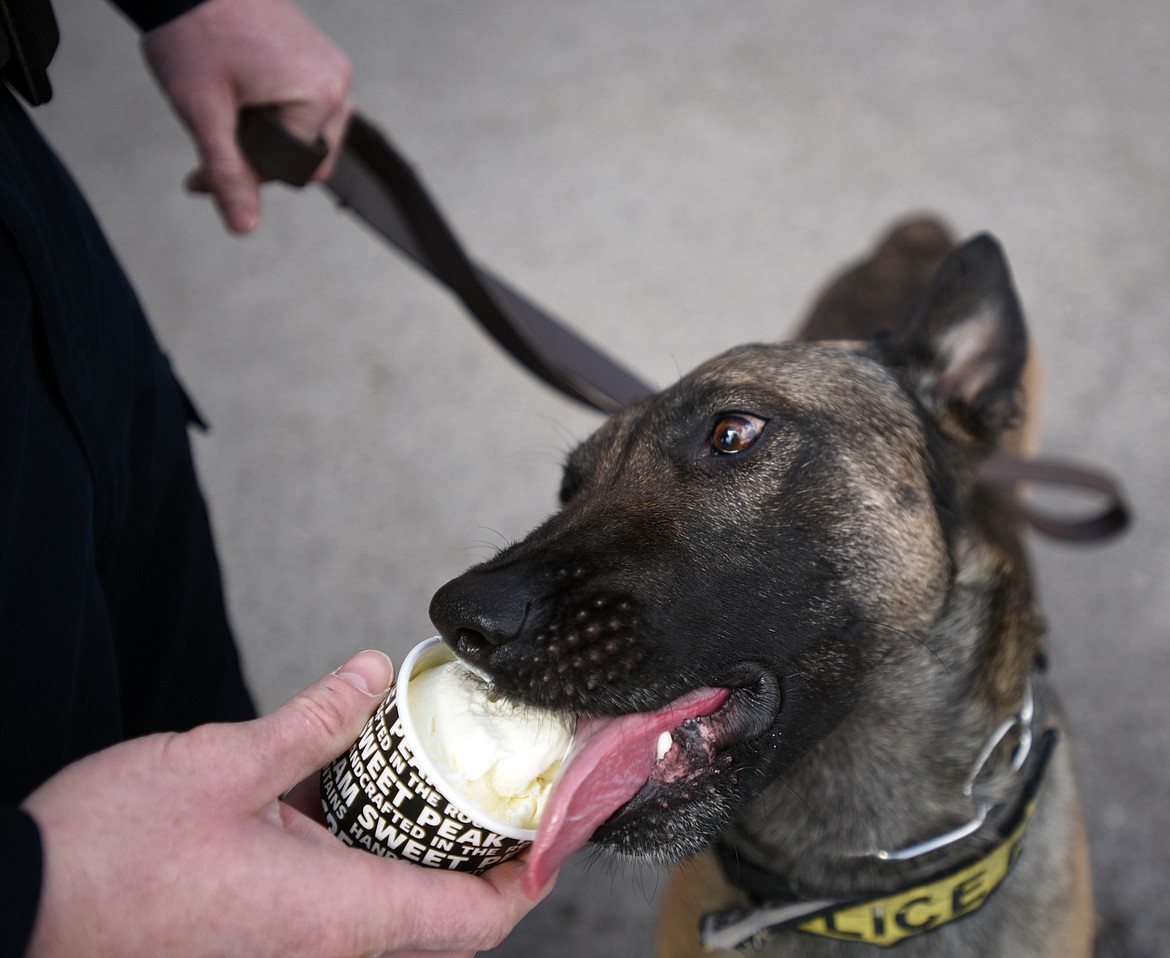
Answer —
(1003, 475)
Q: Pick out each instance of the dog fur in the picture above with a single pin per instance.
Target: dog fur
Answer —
(801, 522)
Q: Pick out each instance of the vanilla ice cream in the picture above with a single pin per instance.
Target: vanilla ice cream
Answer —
(503, 757)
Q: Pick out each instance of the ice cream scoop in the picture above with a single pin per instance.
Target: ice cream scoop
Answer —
(500, 755)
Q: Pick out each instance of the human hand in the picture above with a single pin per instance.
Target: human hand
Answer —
(177, 845)
(224, 55)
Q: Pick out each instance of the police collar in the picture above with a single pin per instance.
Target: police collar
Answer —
(951, 891)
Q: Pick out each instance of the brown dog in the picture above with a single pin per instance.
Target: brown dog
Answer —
(802, 642)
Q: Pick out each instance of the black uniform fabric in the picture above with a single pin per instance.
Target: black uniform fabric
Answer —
(20, 879)
(112, 620)
(148, 14)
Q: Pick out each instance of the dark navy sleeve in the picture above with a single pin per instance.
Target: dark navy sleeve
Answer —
(148, 14)
(20, 880)
(112, 617)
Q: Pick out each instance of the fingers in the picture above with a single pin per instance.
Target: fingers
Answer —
(223, 172)
(492, 916)
(333, 132)
(224, 55)
(316, 726)
(397, 907)
(233, 182)
(490, 906)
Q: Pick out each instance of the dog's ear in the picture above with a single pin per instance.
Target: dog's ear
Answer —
(964, 349)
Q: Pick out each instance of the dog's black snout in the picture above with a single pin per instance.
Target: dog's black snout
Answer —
(478, 612)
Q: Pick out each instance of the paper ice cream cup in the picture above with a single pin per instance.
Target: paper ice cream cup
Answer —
(386, 796)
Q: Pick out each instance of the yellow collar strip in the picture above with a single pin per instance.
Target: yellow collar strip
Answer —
(892, 918)
(887, 921)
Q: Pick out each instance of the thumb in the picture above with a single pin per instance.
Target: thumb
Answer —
(317, 725)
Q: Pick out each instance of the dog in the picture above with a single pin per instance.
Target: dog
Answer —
(802, 641)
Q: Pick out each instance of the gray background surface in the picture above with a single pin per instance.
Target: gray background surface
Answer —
(675, 178)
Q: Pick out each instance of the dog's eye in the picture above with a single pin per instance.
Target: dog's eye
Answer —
(736, 433)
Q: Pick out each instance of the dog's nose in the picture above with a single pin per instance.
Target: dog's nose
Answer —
(478, 612)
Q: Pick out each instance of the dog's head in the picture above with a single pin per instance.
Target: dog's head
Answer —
(731, 554)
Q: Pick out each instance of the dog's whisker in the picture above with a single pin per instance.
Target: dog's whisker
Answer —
(494, 548)
(848, 846)
(909, 635)
(609, 866)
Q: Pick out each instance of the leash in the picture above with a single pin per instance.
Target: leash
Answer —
(374, 180)
(1004, 474)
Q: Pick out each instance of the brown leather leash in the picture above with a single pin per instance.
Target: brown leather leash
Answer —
(379, 185)
(373, 179)
(1005, 474)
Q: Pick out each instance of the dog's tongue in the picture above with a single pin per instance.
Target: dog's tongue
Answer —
(611, 758)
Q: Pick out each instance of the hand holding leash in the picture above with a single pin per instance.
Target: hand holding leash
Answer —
(225, 55)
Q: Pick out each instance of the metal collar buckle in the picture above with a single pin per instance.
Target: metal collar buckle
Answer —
(1021, 721)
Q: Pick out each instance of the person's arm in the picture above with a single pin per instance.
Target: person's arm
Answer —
(177, 844)
(222, 55)
(20, 880)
